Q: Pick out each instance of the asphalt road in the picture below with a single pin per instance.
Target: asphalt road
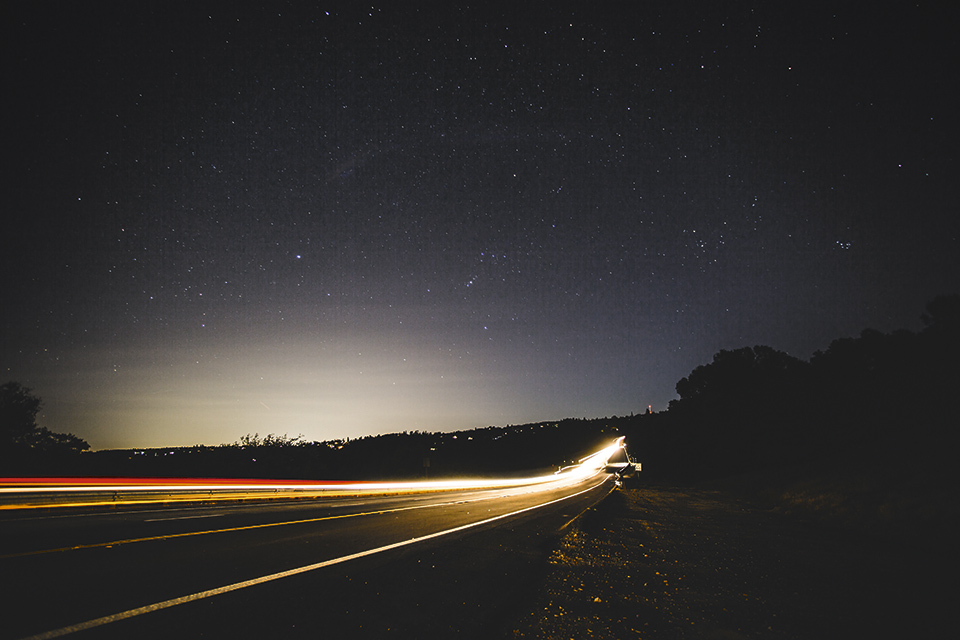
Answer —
(418, 565)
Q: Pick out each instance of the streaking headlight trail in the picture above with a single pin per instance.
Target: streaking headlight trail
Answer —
(25, 493)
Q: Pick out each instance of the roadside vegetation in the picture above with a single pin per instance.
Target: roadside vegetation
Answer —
(26, 446)
(863, 431)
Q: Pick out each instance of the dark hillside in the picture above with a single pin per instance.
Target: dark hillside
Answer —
(865, 429)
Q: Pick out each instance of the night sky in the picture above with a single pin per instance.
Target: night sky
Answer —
(341, 220)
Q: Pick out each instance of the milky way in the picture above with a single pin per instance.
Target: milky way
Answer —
(349, 220)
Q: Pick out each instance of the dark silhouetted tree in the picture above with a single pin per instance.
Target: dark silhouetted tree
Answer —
(943, 314)
(744, 382)
(18, 416)
(22, 441)
(746, 409)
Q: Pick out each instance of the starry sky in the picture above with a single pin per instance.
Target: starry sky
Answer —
(342, 219)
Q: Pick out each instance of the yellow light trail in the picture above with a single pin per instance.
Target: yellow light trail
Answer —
(131, 613)
(43, 493)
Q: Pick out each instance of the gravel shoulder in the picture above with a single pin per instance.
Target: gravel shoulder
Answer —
(667, 562)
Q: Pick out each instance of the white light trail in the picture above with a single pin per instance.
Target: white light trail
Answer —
(131, 613)
(26, 493)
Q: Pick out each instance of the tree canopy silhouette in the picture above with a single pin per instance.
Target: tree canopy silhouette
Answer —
(882, 401)
(18, 414)
(743, 380)
(943, 315)
(22, 440)
(744, 409)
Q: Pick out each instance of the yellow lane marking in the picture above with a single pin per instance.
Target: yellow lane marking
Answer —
(114, 543)
(170, 536)
(131, 613)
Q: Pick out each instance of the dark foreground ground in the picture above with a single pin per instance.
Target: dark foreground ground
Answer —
(664, 562)
(648, 561)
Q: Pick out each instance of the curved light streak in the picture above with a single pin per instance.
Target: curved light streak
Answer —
(18, 493)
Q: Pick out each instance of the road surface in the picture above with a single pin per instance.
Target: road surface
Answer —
(416, 563)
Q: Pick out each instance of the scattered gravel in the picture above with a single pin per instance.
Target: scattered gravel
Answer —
(663, 562)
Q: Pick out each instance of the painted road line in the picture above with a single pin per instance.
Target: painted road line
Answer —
(131, 613)
(170, 536)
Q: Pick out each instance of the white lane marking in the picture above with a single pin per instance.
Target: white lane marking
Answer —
(212, 515)
(123, 615)
(184, 534)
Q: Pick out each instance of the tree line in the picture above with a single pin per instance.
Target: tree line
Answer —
(875, 401)
(25, 445)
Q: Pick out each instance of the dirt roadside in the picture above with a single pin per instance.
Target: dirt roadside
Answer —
(664, 562)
